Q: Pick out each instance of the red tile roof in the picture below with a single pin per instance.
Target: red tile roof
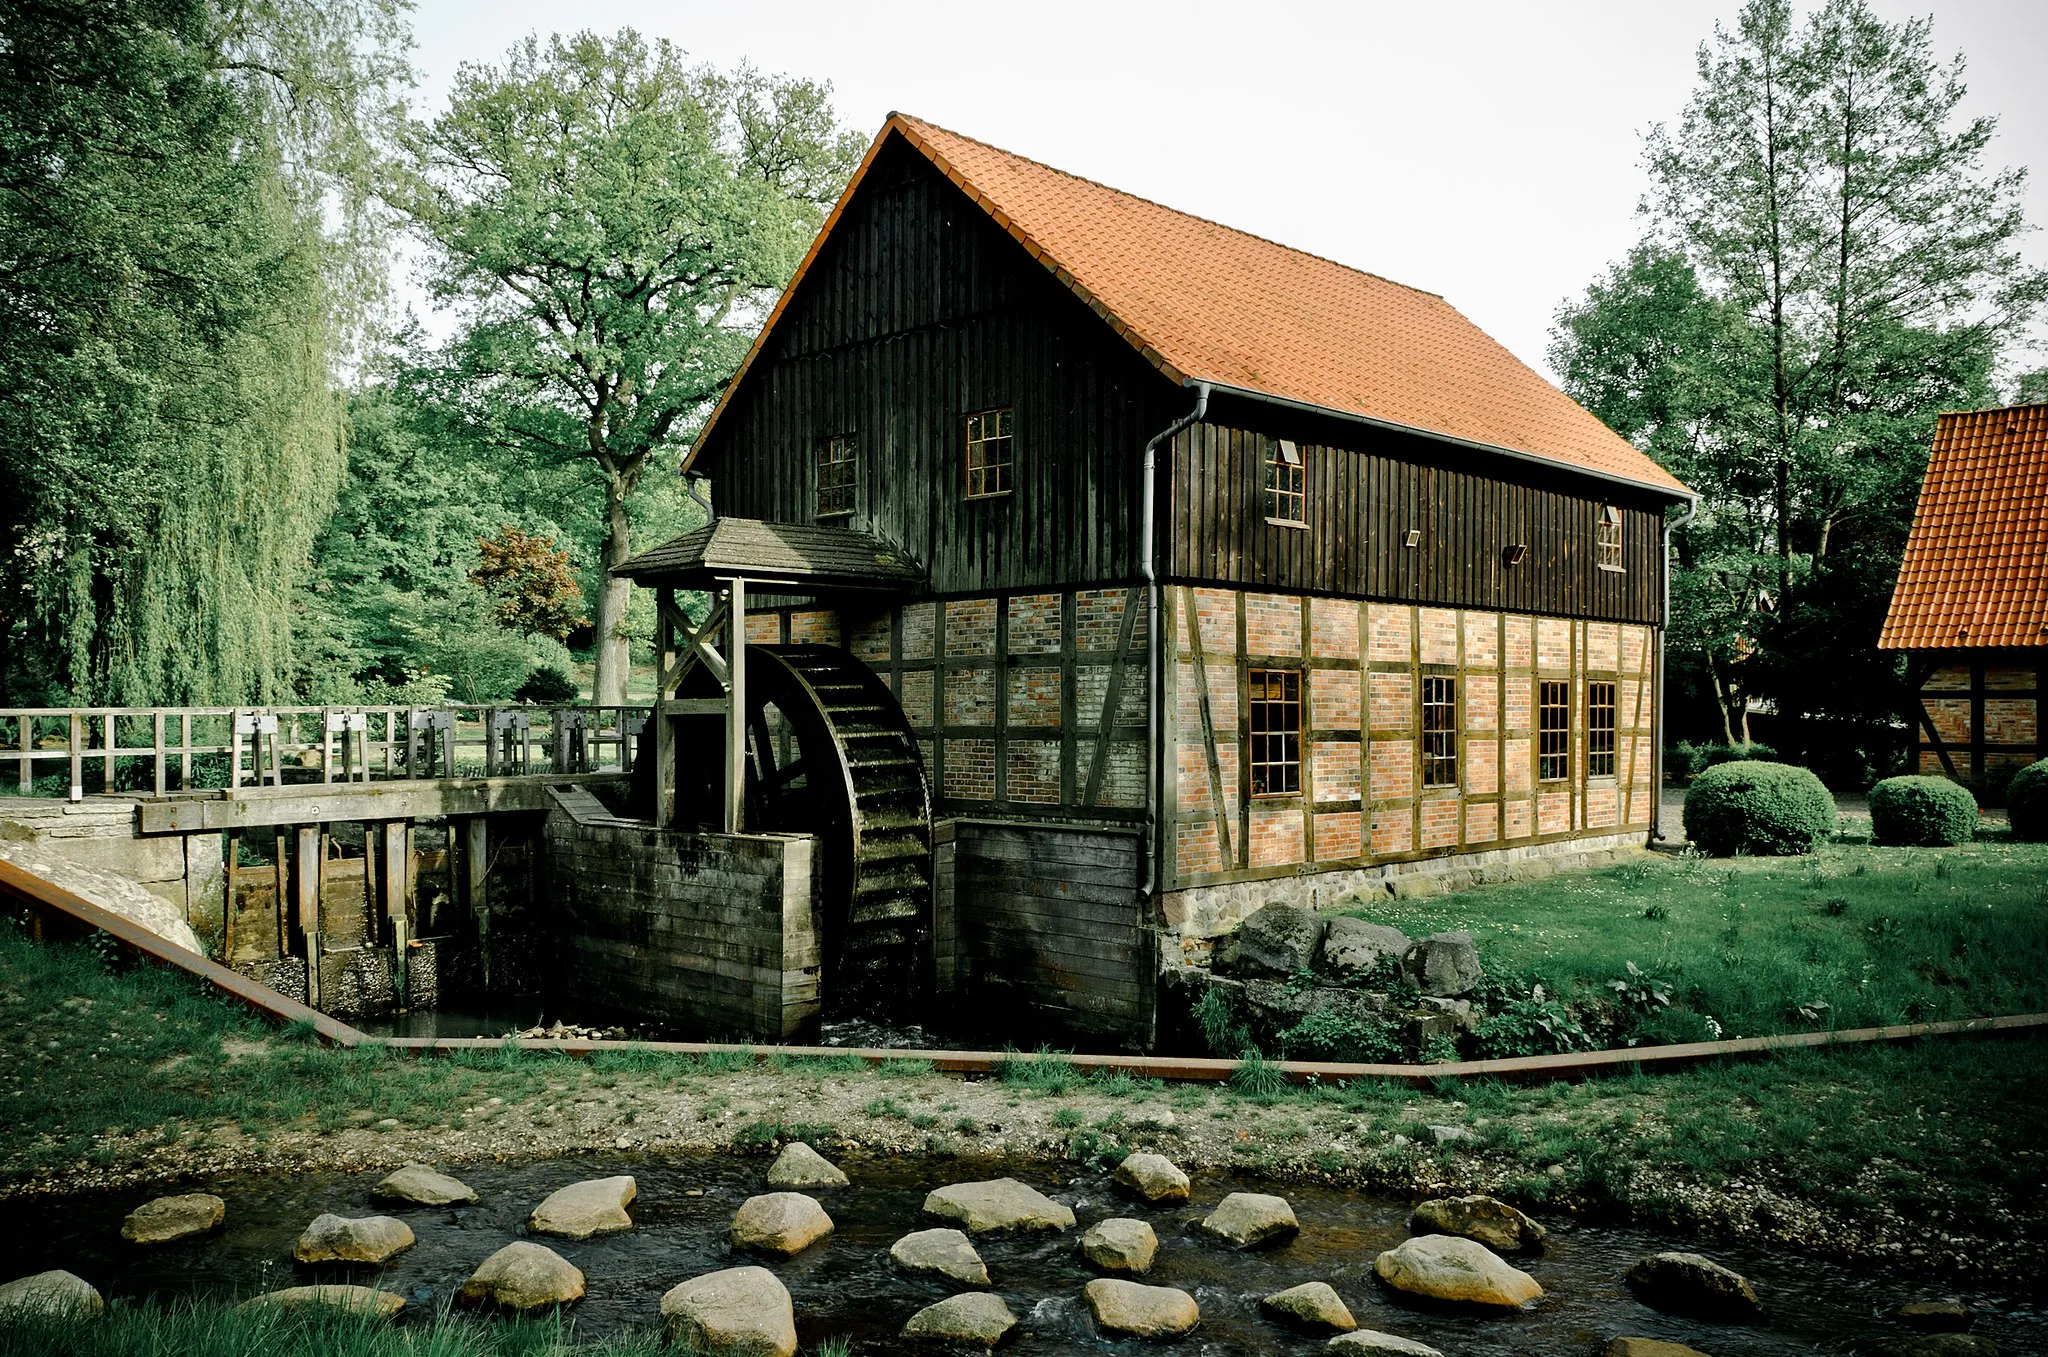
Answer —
(1205, 302)
(1976, 568)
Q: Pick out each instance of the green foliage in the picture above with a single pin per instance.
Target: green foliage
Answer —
(1688, 759)
(1829, 263)
(1925, 812)
(1758, 808)
(611, 221)
(1530, 1027)
(2026, 802)
(1331, 1034)
(1046, 1072)
(547, 683)
(1223, 1032)
(1639, 991)
(1255, 1077)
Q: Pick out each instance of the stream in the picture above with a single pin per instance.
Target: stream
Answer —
(846, 1286)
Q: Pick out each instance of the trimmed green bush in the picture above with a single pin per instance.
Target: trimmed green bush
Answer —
(547, 683)
(1922, 812)
(2026, 801)
(1684, 759)
(1758, 808)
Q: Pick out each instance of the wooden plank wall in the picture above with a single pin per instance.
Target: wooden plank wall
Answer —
(1052, 937)
(1362, 800)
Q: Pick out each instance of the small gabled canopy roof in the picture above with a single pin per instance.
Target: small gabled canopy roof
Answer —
(1204, 302)
(1975, 575)
(776, 554)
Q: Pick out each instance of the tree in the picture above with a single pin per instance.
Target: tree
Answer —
(612, 224)
(1854, 269)
(531, 582)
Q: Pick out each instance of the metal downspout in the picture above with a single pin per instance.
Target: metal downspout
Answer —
(1148, 553)
(1663, 631)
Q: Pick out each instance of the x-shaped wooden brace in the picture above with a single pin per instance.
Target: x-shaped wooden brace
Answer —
(694, 644)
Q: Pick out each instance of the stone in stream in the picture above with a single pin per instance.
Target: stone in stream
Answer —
(52, 1293)
(1354, 949)
(740, 1312)
(1120, 1245)
(784, 1223)
(1142, 1311)
(1462, 1271)
(581, 1210)
(1935, 1316)
(1492, 1222)
(1372, 1340)
(998, 1206)
(365, 1300)
(1686, 1283)
(1312, 1305)
(1445, 965)
(170, 1218)
(1249, 1219)
(1650, 1347)
(973, 1319)
(949, 1253)
(1938, 1345)
(364, 1239)
(419, 1185)
(1153, 1177)
(801, 1166)
(524, 1276)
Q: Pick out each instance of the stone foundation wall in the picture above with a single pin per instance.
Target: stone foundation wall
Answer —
(99, 832)
(715, 931)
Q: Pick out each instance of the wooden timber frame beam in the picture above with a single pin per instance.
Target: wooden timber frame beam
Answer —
(50, 903)
(680, 648)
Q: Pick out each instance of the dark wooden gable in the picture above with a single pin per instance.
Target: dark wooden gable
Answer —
(918, 311)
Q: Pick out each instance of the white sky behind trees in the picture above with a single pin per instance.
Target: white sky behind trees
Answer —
(1487, 150)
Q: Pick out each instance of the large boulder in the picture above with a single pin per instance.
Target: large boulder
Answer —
(1372, 1340)
(56, 1292)
(784, 1223)
(973, 1319)
(524, 1276)
(1355, 950)
(363, 1300)
(946, 1252)
(1445, 1267)
(581, 1210)
(419, 1185)
(361, 1239)
(164, 1219)
(1312, 1305)
(801, 1166)
(1443, 964)
(1938, 1345)
(1490, 1221)
(1649, 1347)
(1120, 1245)
(740, 1312)
(1688, 1284)
(1153, 1177)
(1249, 1219)
(998, 1206)
(1142, 1311)
(1278, 940)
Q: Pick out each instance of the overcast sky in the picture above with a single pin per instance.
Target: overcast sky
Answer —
(1487, 150)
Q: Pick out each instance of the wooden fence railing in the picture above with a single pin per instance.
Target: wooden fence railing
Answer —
(58, 751)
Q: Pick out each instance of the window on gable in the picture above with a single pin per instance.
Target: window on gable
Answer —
(1607, 538)
(988, 453)
(1275, 709)
(1600, 730)
(1439, 731)
(1286, 484)
(835, 476)
(1554, 732)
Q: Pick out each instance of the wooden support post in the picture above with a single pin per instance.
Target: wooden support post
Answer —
(77, 756)
(476, 886)
(306, 876)
(227, 909)
(280, 869)
(664, 727)
(157, 771)
(395, 863)
(736, 709)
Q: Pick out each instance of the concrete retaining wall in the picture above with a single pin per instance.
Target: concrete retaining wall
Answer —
(714, 931)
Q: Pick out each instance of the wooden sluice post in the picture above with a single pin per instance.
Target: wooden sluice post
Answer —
(309, 873)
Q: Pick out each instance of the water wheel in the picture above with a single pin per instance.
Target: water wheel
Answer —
(830, 753)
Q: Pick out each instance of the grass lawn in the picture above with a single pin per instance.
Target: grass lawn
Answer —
(1853, 936)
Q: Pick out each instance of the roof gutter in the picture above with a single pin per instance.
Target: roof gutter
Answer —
(1148, 551)
(1393, 426)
